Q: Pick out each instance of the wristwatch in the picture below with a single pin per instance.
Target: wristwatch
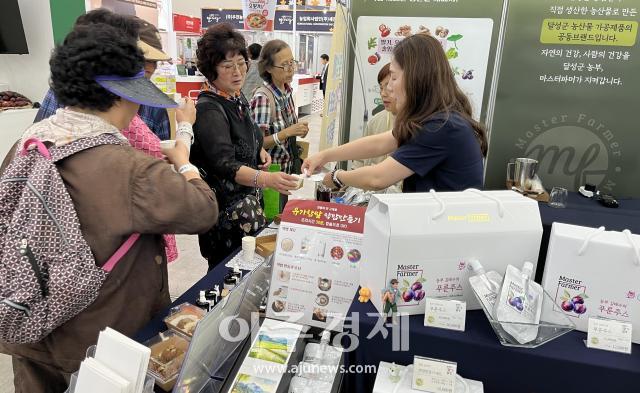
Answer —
(335, 180)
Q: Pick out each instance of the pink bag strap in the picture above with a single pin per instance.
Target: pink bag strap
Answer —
(117, 256)
(42, 149)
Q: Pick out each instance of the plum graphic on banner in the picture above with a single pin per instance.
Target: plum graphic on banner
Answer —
(466, 42)
(259, 14)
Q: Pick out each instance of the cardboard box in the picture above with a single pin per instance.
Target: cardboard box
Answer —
(426, 241)
(266, 245)
(594, 273)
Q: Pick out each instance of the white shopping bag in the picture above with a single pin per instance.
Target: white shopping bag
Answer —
(594, 273)
(425, 241)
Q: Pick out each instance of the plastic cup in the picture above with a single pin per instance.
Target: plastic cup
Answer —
(558, 197)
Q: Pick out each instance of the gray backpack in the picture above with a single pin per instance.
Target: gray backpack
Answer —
(48, 273)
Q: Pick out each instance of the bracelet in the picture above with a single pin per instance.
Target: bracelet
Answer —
(187, 168)
(185, 127)
(185, 134)
(276, 139)
(334, 178)
(255, 179)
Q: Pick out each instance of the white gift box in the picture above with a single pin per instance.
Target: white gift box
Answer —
(426, 241)
(594, 273)
(386, 383)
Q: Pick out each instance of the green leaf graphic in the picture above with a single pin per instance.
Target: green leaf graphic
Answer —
(452, 53)
(567, 294)
(372, 43)
(584, 295)
(406, 283)
(422, 279)
(455, 38)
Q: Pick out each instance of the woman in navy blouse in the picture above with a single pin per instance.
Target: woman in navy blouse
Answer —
(435, 142)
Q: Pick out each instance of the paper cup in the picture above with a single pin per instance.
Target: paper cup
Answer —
(168, 144)
(248, 248)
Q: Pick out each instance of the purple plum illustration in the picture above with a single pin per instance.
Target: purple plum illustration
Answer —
(408, 295)
(567, 305)
(579, 308)
(418, 295)
(516, 302)
(416, 286)
(573, 303)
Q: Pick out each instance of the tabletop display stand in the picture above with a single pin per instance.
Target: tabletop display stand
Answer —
(149, 381)
(552, 325)
(212, 361)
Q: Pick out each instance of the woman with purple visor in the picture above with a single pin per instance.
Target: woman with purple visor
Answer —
(117, 191)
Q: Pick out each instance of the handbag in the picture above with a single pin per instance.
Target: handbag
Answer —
(246, 215)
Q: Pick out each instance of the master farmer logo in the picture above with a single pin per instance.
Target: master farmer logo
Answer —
(573, 149)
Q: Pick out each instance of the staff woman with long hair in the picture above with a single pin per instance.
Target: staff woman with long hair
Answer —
(435, 142)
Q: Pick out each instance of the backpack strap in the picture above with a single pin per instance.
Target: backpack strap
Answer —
(62, 152)
(42, 149)
(272, 100)
(120, 252)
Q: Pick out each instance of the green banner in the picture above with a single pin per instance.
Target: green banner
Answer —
(63, 16)
(565, 94)
(456, 15)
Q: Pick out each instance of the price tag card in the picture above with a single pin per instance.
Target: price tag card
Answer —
(609, 334)
(445, 314)
(433, 375)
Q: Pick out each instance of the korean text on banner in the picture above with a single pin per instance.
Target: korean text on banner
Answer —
(316, 269)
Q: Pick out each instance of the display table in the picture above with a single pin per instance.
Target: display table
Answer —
(563, 365)
(157, 325)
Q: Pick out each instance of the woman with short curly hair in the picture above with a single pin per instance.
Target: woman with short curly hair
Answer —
(228, 144)
(97, 74)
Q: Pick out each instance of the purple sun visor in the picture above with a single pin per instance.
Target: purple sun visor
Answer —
(136, 89)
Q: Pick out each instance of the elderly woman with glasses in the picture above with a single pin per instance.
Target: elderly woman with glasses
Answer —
(273, 108)
(228, 144)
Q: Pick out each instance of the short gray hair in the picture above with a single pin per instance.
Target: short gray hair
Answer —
(269, 50)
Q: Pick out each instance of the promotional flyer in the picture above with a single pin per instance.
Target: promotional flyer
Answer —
(317, 263)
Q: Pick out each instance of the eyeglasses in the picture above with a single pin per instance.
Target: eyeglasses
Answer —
(290, 66)
(230, 67)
